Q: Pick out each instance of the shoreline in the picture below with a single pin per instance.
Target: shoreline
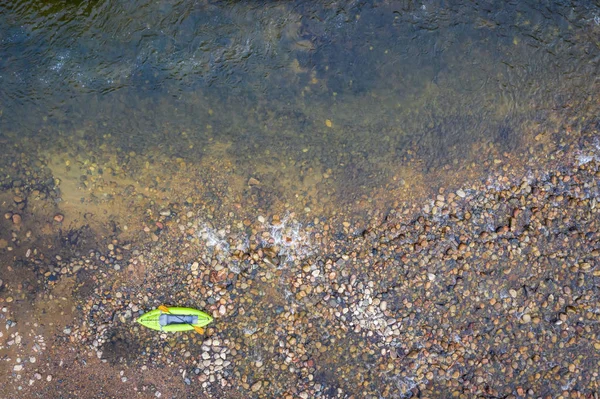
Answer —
(487, 290)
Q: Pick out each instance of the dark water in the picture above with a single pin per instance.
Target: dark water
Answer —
(356, 90)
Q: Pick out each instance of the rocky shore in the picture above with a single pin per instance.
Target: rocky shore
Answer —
(487, 290)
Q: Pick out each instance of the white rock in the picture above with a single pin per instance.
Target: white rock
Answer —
(18, 367)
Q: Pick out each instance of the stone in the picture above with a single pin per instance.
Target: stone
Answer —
(253, 182)
(58, 218)
(257, 386)
(16, 219)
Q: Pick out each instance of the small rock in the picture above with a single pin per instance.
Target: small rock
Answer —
(195, 266)
(253, 182)
(58, 218)
(16, 219)
(18, 199)
(165, 212)
(257, 386)
(9, 299)
(526, 318)
(461, 193)
(3, 243)
(18, 367)
(222, 309)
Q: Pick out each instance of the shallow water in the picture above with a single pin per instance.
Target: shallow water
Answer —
(328, 100)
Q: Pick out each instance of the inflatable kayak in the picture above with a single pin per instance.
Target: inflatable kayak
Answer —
(176, 319)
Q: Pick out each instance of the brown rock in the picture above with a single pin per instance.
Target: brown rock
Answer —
(58, 218)
(256, 386)
(253, 182)
(16, 218)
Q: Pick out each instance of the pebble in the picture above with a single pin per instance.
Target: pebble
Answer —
(59, 217)
(16, 218)
(257, 386)
(253, 182)
(18, 367)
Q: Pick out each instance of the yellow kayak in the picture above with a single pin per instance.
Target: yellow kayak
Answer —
(177, 319)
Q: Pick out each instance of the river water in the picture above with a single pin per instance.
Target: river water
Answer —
(329, 99)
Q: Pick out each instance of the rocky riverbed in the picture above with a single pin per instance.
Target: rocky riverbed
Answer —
(488, 289)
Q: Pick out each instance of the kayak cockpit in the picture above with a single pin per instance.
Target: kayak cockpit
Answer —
(170, 319)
